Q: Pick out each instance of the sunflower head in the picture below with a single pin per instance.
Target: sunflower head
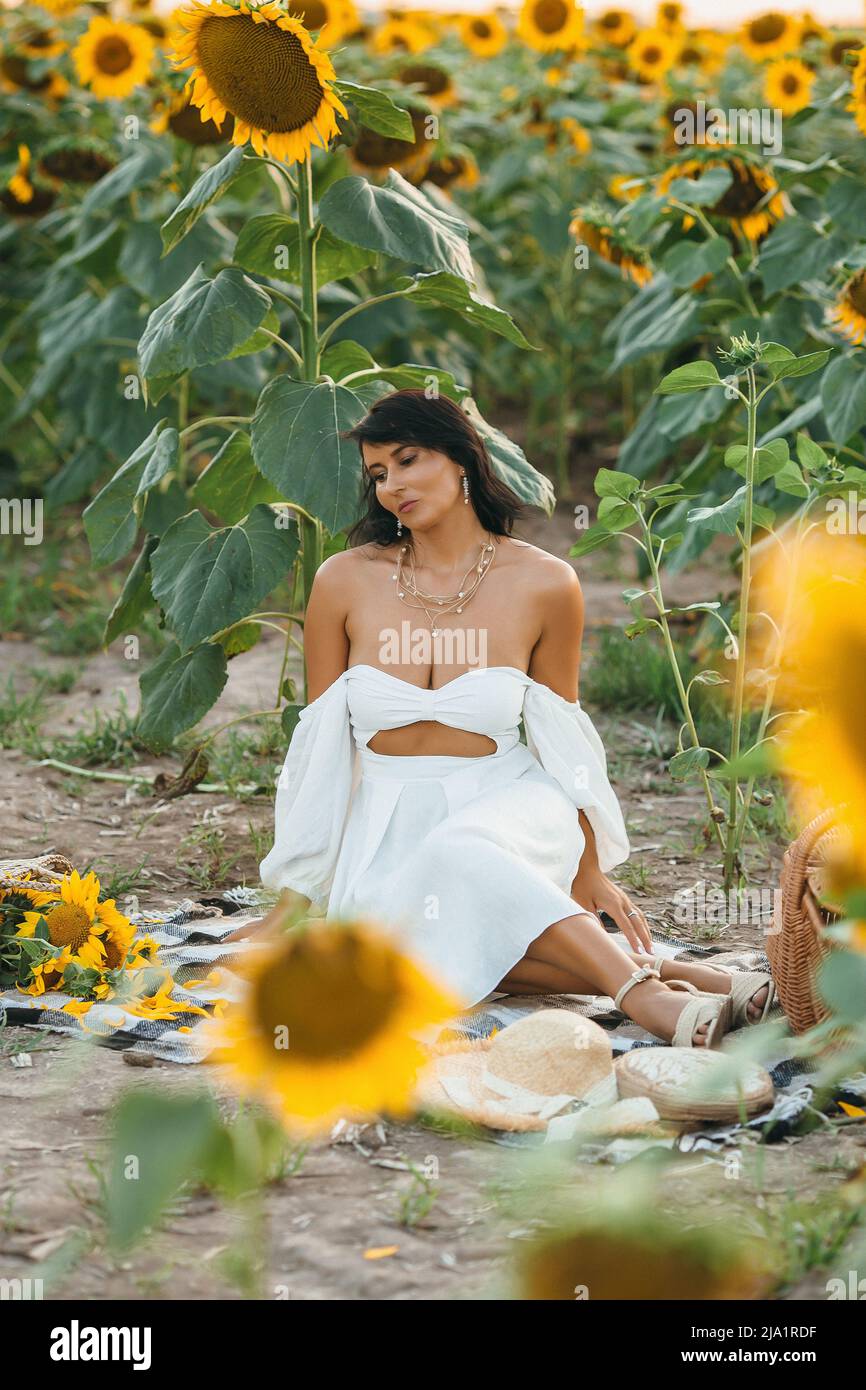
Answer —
(483, 34)
(376, 154)
(653, 53)
(456, 169)
(592, 227)
(848, 314)
(549, 26)
(113, 58)
(433, 82)
(615, 27)
(788, 85)
(76, 159)
(328, 1024)
(751, 203)
(259, 64)
(770, 35)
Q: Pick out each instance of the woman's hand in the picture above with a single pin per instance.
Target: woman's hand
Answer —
(594, 890)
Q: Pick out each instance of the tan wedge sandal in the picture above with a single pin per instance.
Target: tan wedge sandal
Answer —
(745, 983)
(714, 1009)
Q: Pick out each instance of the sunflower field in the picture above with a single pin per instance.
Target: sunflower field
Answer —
(632, 249)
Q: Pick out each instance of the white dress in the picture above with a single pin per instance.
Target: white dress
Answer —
(466, 859)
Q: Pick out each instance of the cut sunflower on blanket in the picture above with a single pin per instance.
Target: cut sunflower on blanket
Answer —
(66, 939)
(259, 64)
(327, 1025)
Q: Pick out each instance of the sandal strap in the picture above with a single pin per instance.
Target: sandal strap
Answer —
(646, 972)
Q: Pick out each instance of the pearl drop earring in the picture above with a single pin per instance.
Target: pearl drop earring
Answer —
(465, 489)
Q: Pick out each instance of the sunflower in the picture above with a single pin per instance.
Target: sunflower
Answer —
(751, 204)
(615, 27)
(113, 58)
(857, 103)
(816, 591)
(593, 228)
(16, 75)
(19, 185)
(669, 17)
(849, 312)
(455, 170)
(260, 65)
(433, 81)
(188, 122)
(788, 85)
(402, 35)
(320, 16)
(329, 1024)
(37, 41)
(653, 53)
(578, 134)
(548, 25)
(626, 187)
(87, 932)
(483, 34)
(375, 154)
(155, 1000)
(840, 47)
(769, 35)
(76, 159)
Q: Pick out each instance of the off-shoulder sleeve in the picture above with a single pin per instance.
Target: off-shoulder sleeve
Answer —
(565, 741)
(313, 796)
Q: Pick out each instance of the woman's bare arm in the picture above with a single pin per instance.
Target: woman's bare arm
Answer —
(326, 652)
(556, 663)
(326, 641)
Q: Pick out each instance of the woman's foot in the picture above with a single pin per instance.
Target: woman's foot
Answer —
(657, 1008)
(712, 980)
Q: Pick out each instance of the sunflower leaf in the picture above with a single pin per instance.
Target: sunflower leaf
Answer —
(399, 221)
(231, 485)
(207, 188)
(134, 598)
(297, 445)
(110, 520)
(206, 578)
(446, 291)
(171, 1138)
(178, 689)
(378, 112)
(203, 322)
(269, 245)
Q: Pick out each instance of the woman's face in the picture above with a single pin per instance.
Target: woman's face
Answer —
(419, 485)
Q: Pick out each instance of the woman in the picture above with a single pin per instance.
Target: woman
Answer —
(406, 795)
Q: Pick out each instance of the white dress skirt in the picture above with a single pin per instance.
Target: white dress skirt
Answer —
(464, 860)
(473, 864)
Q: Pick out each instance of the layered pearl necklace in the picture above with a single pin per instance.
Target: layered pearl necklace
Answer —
(441, 603)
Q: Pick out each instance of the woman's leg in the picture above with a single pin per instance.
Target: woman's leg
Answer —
(580, 950)
(526, 977)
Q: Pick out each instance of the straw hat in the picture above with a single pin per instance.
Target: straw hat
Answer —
(693, 1083)
(524, 1074)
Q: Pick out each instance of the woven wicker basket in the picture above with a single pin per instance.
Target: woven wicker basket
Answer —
(797, 944)
(44, 872)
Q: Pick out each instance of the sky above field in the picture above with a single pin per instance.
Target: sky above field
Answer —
(725, 14)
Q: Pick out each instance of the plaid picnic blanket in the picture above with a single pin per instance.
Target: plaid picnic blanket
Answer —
(191, 941)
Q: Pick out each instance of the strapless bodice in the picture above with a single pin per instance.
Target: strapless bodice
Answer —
(487, 700)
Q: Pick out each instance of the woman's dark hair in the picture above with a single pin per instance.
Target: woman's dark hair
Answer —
(411, 417)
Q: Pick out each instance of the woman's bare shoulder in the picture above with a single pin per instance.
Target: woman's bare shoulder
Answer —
(347, 567)
(554, 575)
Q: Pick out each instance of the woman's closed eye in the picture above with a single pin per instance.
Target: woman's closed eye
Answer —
(380, 477)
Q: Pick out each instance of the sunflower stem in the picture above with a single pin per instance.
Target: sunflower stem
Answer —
(732, 849)
(310, 528)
